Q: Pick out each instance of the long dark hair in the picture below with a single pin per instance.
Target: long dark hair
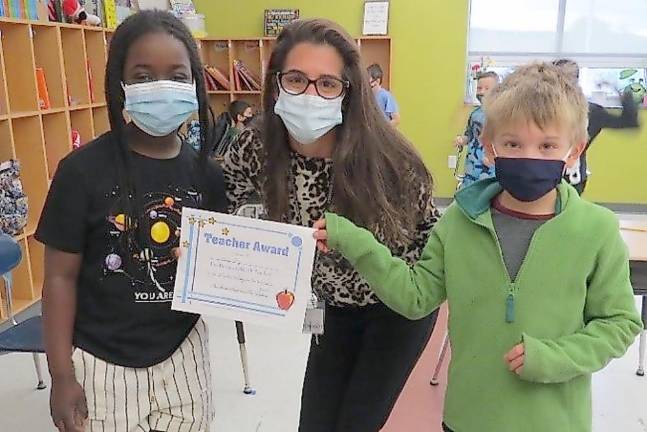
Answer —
(133, 28)
(377, 172)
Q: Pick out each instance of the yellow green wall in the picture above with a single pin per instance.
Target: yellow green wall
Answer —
(429, 44)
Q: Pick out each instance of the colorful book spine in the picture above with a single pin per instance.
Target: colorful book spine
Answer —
(14, 8)
(31, 9)
(2, 8)
(43, 94)
(111, 13)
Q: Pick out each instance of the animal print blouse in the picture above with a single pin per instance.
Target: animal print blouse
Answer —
(334, 279)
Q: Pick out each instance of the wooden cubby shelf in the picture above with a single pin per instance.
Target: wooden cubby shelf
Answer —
(73, 59)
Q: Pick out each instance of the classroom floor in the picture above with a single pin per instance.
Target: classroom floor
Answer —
(277, 365)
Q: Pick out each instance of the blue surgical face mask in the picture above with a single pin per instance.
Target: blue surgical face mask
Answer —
(308, 117)
(159, 108)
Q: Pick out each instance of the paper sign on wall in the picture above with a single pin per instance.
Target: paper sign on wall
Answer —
(376, 17)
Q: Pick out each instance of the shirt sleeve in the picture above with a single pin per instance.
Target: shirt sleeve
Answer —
(611, 323)
(241, 166)
(412, 291)
(628, 117)
(63, 222)
(391, 104)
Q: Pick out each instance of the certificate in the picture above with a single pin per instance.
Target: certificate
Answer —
(244, 269)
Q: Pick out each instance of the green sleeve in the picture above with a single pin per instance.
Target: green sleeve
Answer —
(413, 292)
(611, 324)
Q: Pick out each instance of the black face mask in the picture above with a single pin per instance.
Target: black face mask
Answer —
(247, 120)
(480, 97)
(528, 179)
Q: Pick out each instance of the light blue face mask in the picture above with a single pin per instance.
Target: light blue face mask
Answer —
(308, 117)
(159, 108)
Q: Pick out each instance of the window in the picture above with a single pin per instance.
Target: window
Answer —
(607, 38)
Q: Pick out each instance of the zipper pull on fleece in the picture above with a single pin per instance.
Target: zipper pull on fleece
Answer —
(509, 308)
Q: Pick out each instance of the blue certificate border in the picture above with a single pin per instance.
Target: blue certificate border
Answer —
(188, 292)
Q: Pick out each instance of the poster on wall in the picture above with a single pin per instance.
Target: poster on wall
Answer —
(277, 19)
(376, 17)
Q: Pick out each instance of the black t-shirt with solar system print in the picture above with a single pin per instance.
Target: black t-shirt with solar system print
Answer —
(123, 313)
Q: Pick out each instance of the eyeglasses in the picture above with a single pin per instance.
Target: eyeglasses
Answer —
(297, 83)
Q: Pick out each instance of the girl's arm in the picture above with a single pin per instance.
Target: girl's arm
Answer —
(413, 292)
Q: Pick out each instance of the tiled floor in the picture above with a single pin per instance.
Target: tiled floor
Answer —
(277, 365)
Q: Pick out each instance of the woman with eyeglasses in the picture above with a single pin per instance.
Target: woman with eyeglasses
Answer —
(325, 145)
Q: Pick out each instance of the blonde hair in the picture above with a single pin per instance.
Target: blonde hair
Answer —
(540, 93)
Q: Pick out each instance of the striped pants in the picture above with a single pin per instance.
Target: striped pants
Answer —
(174, 395)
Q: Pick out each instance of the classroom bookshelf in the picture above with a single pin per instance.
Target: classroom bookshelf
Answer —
(36, 125)
(71, 60)
(255, 53)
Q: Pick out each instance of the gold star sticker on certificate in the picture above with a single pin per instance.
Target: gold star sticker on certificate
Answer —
(225, 231)
(202, 223)
(212, 220)
(192, 220)
(185, 244)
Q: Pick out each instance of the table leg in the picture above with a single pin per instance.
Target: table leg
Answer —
(643, 340)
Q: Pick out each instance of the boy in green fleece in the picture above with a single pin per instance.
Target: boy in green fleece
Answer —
(547, 299)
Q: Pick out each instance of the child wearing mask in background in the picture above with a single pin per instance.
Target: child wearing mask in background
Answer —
(531, 335)
(385, 99)
(475, 167)
(119, 357)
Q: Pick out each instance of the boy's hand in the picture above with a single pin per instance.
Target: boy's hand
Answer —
(68, 405)
(515, 359)
(321, 235)
(460, 141)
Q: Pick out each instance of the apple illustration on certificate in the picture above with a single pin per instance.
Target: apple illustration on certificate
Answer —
(244, 269)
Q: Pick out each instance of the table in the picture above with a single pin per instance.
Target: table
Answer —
(634, 234)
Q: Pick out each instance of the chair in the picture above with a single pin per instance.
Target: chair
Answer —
(27, 336)
(250, 211)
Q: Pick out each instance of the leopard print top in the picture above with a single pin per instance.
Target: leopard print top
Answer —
(334, 279)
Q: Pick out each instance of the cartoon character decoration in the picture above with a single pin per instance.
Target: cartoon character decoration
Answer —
(73, 10)
(637, 89)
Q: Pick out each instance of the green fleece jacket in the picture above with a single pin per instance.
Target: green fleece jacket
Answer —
(571, 305)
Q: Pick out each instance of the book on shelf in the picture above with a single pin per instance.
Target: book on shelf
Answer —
(209, 82)
(219, 76)
(90, 82)
(110, 9)
(55, 9)
(4, 9)
(43, 95)
(246, 77)
(16, 9)
(31, 9)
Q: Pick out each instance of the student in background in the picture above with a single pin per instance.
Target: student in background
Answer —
(475, 166)
(227, 127)
(599, 118)
(536, 314)
(119, 357)
(324, 144)
(385, 99)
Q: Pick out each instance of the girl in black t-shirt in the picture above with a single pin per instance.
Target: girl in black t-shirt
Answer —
(119, 357)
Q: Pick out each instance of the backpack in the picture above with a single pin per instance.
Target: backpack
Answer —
(13, 201)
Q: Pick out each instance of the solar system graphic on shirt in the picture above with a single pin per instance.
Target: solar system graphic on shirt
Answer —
(148, 260)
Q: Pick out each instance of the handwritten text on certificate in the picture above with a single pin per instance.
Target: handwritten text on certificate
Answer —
(244, 269)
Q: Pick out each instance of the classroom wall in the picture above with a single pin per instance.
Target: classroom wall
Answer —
(429, 43)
